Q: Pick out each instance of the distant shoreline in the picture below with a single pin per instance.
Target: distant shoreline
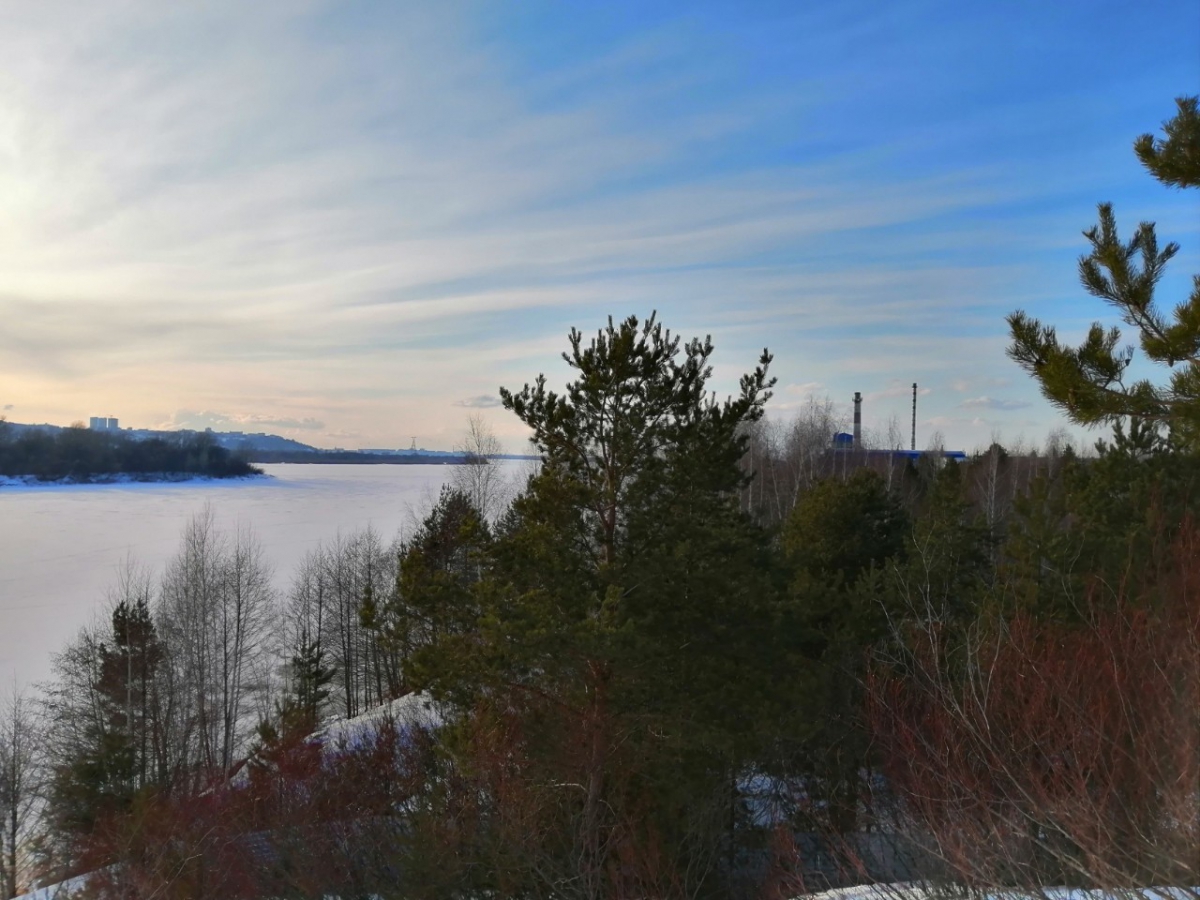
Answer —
(352, 457)
(124, 478)
(306, 459)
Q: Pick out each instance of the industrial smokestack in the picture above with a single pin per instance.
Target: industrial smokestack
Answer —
(857, 420)
(914, 427)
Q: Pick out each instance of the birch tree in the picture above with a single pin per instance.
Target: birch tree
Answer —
(479, 477)
(20, 772)
(215, 614)
(358, 575)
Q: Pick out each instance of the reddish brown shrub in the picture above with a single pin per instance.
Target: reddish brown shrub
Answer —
(1032, 753)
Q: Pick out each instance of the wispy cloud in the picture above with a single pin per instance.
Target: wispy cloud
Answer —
(994, 403)
(481, 401)
(895, 391)
(357, 216)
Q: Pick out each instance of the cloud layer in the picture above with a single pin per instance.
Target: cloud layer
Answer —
(481, 401)
(333, 221)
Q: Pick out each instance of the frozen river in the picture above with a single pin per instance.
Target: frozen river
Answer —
(61, 547)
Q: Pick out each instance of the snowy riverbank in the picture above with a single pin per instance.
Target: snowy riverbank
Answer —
(123, 478)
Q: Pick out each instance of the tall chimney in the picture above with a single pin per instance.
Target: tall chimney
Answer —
(914, 427)
(857, 420)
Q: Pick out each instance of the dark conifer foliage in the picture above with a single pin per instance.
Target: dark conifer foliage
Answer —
(1088, 382)
(1100, 527)
(838, 543)
(119, 749)
(434, 599)
(1175, 158)
(623, 610)
(298, 713)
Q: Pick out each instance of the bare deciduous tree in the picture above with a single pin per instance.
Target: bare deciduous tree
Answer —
(331, 607)
(787, 458)
(479, 476)
(215, 616)
(1032, 752)
(306, 612)
(246, 609)
(20, 773)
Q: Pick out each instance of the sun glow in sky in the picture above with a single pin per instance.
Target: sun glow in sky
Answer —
(350, 223)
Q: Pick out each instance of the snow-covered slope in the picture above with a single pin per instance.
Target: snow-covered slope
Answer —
(61, 891)
(410, 711)
(926, 892)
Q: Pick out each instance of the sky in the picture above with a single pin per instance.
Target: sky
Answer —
(350, 223)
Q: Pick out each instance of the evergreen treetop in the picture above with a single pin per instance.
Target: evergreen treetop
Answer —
(1089, 382)
(638, 407)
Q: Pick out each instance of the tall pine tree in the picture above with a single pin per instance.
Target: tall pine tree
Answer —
(627, 614)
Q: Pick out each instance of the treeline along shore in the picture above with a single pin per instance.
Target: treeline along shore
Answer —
(83, 455)
(45, 453)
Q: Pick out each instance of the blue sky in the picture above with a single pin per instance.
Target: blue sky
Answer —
(352, 222)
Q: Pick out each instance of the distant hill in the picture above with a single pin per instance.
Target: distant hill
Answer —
(248, 444)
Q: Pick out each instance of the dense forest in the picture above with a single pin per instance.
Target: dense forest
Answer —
(647, 675)
(81, 454)
(696, 653)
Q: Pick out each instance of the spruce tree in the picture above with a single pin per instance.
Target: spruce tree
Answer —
(284, 747)
(433, 602)
(129, 670)
(1089, 382)
(118, 748)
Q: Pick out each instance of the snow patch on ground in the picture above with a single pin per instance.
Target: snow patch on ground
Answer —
(61, 891)
(916, 891)
(416, 710)
(339, 735)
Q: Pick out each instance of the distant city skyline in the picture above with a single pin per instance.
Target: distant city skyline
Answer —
(350, 223)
